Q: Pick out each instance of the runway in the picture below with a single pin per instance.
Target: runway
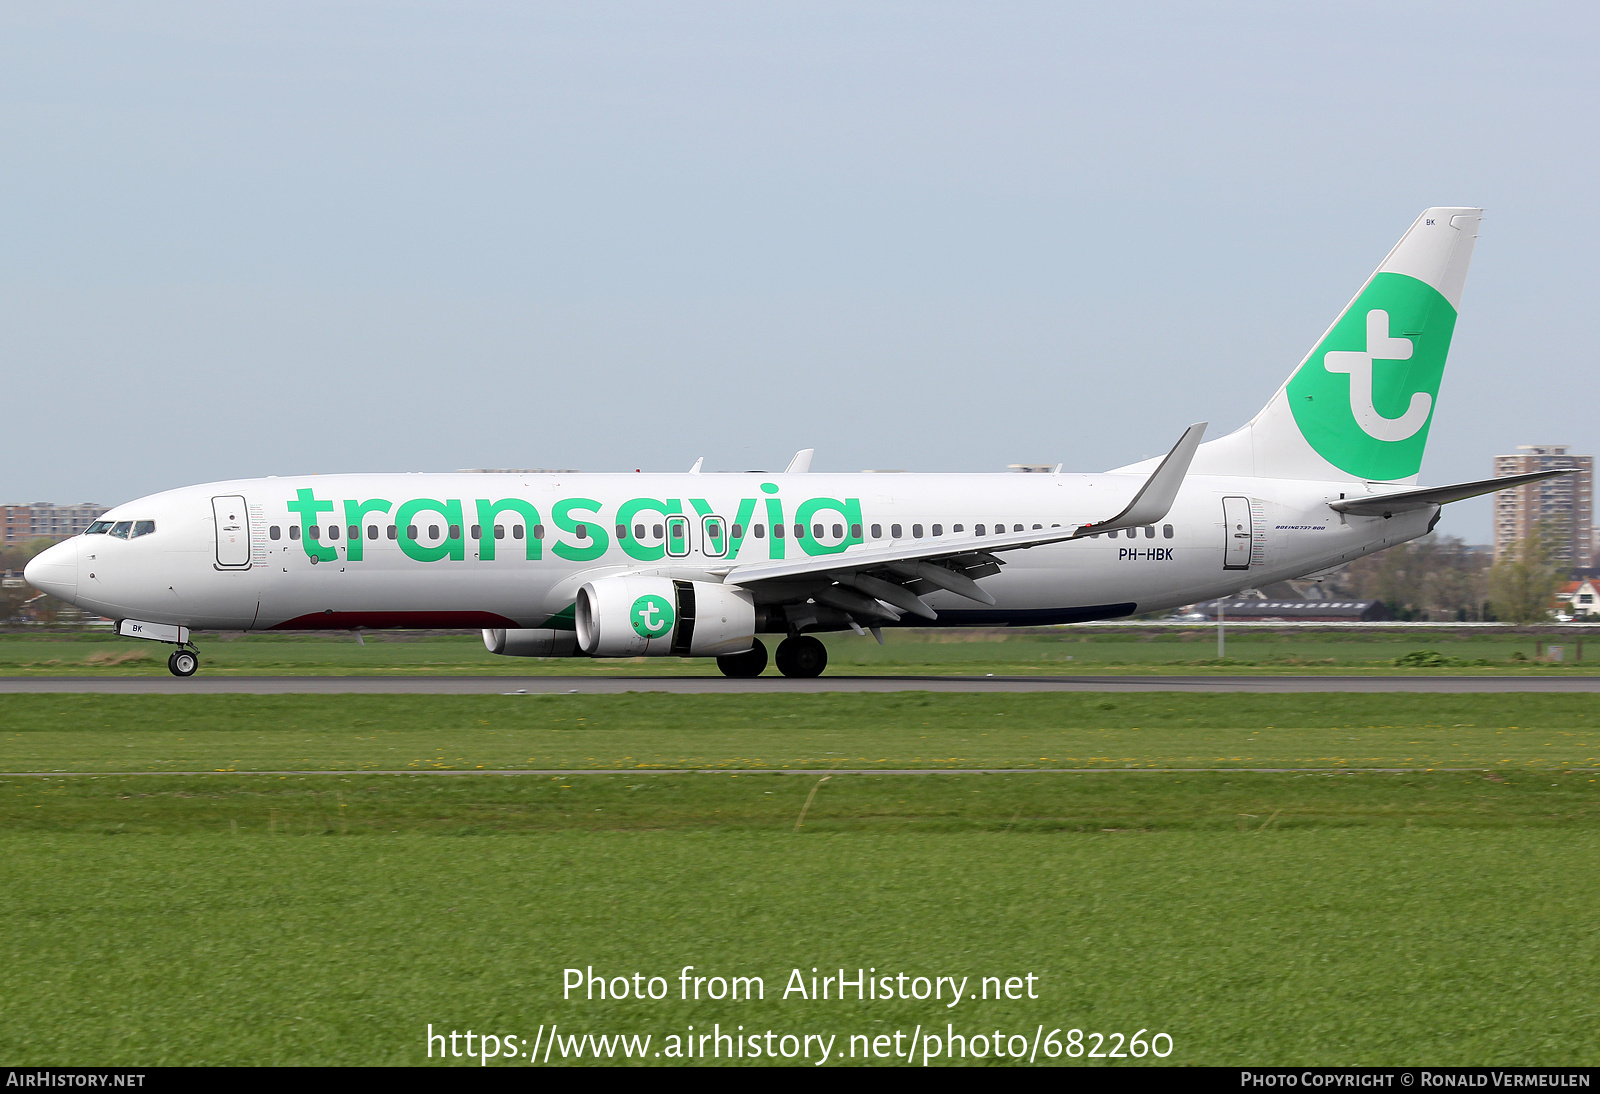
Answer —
(775, 685)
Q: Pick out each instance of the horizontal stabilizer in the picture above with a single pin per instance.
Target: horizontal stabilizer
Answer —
(1386, 505)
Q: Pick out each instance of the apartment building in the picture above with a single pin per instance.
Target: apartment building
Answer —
(41, 519)
(1565, 504)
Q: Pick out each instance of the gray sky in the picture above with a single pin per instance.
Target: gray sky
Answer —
(248, 239)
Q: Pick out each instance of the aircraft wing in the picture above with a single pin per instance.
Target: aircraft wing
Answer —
(863, 581)
(1386, 505)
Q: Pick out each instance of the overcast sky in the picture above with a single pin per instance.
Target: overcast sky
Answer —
(249, 239)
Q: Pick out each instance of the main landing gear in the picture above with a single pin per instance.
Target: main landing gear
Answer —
(801, 656)
(183, 662)
(742, 666)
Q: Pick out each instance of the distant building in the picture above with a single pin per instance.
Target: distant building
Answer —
(1565, 504)
(42, 520)
(1580, 598)
(1300, 611)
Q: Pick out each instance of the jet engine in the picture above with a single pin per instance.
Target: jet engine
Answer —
(531, 643)
(658, 616)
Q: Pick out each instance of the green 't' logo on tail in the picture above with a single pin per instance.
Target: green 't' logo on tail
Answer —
(1365, 397)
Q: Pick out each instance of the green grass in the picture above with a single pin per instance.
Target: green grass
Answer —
(1070, 651)
(1342, 918)
(356, 805)
(643, 731)
(1354, 946)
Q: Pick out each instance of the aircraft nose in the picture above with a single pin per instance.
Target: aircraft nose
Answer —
(55, 571)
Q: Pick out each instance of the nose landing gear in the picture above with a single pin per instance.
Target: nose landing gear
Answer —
(183, 662)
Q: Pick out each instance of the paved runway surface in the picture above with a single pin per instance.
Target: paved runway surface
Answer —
(719, 685)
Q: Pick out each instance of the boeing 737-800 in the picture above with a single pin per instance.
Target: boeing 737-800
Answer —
(700, 565)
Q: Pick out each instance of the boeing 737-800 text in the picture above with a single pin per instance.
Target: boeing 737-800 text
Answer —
(700, 565)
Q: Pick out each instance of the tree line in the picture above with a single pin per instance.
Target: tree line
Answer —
(1444, 579)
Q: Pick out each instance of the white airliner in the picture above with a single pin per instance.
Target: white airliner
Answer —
(698, 565)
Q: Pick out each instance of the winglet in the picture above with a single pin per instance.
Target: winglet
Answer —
(698, 464)
(1154, 499)
(801, 462)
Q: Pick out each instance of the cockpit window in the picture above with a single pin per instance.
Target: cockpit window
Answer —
(121, 528)
(142, 528)
(98, 528)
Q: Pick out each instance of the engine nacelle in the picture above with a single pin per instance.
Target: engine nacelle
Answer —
(658, 616)
(531, 643)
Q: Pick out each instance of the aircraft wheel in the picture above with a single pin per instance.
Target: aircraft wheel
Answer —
(802, 656)
(744, 665)
(183, 663)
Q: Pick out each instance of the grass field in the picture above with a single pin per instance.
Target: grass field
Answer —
(1428, 916)
(642, 731)
(1068, 651)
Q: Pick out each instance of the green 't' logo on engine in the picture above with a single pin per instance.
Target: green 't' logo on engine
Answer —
(652, 616)
(1365, 397)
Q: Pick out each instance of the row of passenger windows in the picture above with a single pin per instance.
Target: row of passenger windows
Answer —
(333, 531)
(640, 532)
(121, 529)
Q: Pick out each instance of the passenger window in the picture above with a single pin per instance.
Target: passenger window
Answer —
(638, 531)
(799, 531)
(1149, 531)
(274, 532)
(955, 527)
(714, 530)
(1016, 528)
(894, 531)
(143, 528)
(333, 531)
(372, 531)
(99, 528)
(1166, 531)
(656, 531)
(581, 531)
(1036, 527)
(877, 531)
(433, 531)
(477, 531)
(677, 531)
(455, 531)
(916, 531)
(738, 531)
(622, 532)
(760, 531)
(294, 531)
(855, 531)
(977, 530)
(394, 533)
(938, 529)
(354, 532)
(777, 531)
(411, 532)
(499, 531)
(316, 532)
